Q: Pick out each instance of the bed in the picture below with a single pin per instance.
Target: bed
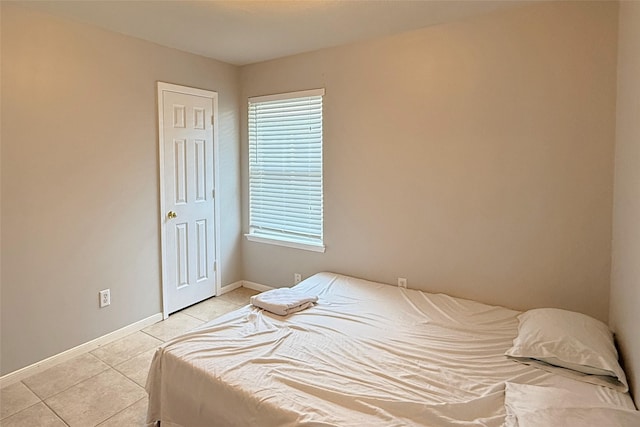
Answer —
(367, 354)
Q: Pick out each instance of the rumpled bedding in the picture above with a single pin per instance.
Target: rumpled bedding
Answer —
(366, 354)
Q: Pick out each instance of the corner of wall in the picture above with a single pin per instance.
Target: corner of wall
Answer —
(624, 300)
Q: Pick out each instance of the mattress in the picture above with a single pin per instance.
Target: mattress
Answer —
(366, 354)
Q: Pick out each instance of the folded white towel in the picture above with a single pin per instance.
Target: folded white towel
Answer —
(283, 301)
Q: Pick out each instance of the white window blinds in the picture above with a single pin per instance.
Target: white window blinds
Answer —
(285, 169)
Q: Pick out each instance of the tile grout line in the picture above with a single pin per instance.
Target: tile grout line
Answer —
(127, 359)
(74, 384)
(193, 317)
(81, 381)
(127, 376)
(29, 388)
(117, 413)
(108, 366)
(56, 414)
(21, 410)
(134, 383)
(88, 378)
(148, 334)
(236, 304)
(34, 404)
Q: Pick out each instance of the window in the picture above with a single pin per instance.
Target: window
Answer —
(285, 169)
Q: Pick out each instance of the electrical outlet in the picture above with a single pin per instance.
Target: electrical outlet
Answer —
(105, 297)
(402, 282)
(297, 278)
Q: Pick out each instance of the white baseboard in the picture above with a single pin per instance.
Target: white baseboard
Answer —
(231, 287)
(47, 363)
(56, 359)
(256, 286)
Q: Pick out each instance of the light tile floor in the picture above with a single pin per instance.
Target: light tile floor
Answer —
(105, 387)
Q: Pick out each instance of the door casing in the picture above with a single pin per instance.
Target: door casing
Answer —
(162, 87)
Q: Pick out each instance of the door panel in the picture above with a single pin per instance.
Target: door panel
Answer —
(188, 199)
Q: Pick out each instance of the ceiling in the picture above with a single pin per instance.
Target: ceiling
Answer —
(243, 32)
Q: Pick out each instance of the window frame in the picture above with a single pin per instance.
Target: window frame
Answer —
(283, 239)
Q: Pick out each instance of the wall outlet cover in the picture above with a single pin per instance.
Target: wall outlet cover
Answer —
(105, 297)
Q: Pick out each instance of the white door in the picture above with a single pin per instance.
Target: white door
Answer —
(187, 135)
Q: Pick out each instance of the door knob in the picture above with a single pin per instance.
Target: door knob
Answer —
(172, 215)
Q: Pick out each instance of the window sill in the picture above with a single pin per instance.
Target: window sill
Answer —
(287, 243)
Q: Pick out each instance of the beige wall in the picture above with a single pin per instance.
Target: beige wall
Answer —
(80, 193)
(473, 158)
(625, 275)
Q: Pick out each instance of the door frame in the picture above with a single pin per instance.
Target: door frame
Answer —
(170, 87)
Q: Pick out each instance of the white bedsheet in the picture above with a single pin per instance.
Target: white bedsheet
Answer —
(366, 354)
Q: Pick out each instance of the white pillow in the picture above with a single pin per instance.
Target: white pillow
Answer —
(570, 344)
(533, 406)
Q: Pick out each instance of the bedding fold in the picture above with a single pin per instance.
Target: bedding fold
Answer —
(368, 354)
(283, 301)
